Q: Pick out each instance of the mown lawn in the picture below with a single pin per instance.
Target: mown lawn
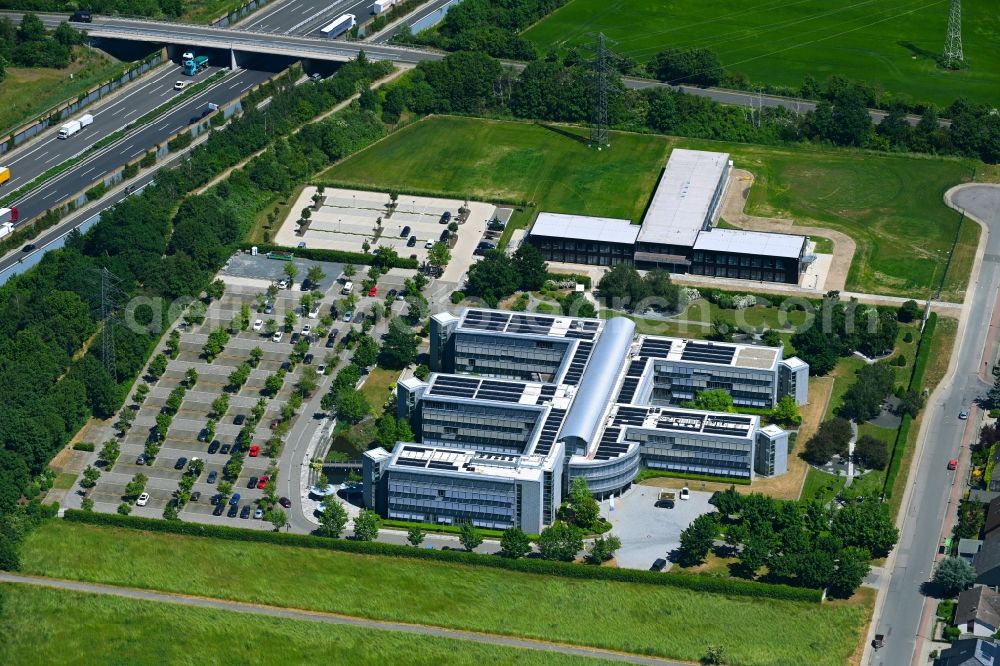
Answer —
(45, 626)
(27, 92)
(890, 204)
(632, 617)
(890, 44)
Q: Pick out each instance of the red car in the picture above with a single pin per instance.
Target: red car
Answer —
(373, 291)
(254, 451)
(262, 481)
(952, 464)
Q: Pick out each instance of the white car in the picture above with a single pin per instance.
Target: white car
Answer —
(321, 369)
(685, 493)
(314, 312)
(180, 85)
(283, 284)
(259, 324)
(188, 55)
(429, 244)
(143, 498)
(306, 330)
(276, 337)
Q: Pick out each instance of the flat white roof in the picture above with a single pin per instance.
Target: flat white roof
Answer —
(751, 242)
(583, 227)
(407, 456)
(683, 198)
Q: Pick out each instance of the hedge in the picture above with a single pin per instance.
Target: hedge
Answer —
(916, 380)
(84, 446)
(647, 473)
(711, 584)
(340, 256)
(414, 192)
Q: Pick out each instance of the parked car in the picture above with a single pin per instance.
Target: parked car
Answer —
(314, 312)
(245, 513)
(286, 366)
(181, 462)
(219, 508)
(236, 447)
(302, 244)
(143, 499)
(262, 482)
(964, 414)
(348, 315)
(282, 284)
(685, 493)
(285, 502)
(658, 564)
(252, 482)
(486, 245)
(295, 337)
(203, 435)
(141, 460)
(214, 446)
(405, 232)
(952, 464)
(308, 359)
(254, 451)
(239, 419)
(268, 308)
(321, 369)
(373, 291)
(195, 496)
(224, 450)
(392, 294)
(233, 510)
(359, 317)
(445, 217)
(212, 476)
(259, 324)
(307, 330)
(234, 500)
(412, 241)
(331, 341)
(258, 513)
(445, 235)
(429, 244)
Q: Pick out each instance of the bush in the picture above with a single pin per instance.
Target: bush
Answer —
(84, 446)
(569, 570)
(96, 192)
(457, 297)
(180, 142)
(148, 160)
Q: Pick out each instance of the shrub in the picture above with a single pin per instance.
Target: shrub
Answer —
(84, 446)
(180, 142)
(457, 297)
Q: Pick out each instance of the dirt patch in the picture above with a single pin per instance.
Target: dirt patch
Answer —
(733, 210)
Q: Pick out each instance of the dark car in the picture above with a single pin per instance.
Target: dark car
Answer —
(203, 435)
(308, 359)
(234, 500)
(359, 317)
(239, 419)
(195, 496)
(233, 510)
(391, 295)
(141, 460)
(658, 565)
(214, 446)
(245, 513)
(331, 342)
(412, 241)
(219, 508)
(237, 447)
(268, 308)
(405, 232)
(445, 217)
(181, 462)
(296, 337)
(445, 235)
(212, 476)
(81, 17)
(286, 366)
(252, 483)
(224, 450)
(486, 245)
(28, 248)
(285, 502)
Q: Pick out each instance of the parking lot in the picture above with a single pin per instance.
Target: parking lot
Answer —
(346, 219)
(648, 531)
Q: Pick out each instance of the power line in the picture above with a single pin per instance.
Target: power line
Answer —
(599, 112)
(953, 56)
(111, 295)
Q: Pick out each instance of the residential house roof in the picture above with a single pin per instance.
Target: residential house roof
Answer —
(981, 604)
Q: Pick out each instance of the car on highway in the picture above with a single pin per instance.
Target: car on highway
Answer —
(180, 85)
(235, 499)
(233, 510)
(29, 247)
(262, 482)
(239, 419)
(658, 564)
(952, 464)
(245, 512)
(181, 462)
(964, 414)
(212, 476)
(259, 513)
(255, 450)
(214, 446)
(277, 336)
(219, 508)
(224, 450)
(81, 16)
(285, 502)
(259, 324)
(143, 499)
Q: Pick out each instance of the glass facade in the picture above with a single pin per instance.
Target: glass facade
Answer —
(745, 266)
(575, 251)
(674, 383)
(508, 356)
(481, 426)
(695, 453)
(448, 500)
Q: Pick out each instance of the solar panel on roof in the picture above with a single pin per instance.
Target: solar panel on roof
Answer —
(578, 363)
(706, 353)
(549, 431)
(654, 348)
(486, 320)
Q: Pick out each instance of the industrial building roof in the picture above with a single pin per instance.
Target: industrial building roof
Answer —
(468, 461)
(528, 323)
(700, 351)
(683, 198)
(751, 242)
(582, 227)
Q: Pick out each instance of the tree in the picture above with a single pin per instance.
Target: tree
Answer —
(863, 400)
(756, 551)
(399, 347)
(350, 271)
(831, 438)
(908, 311)
(309, 380)
(713, 400)
(415, 536)
(278, 518)
(290, 319)
(714, 656)
(692, 66)
(86, 504)
(771, 338)
(273, 384)
(110, 452)
(852, 567)
(728, 502)
(135, 487)
(191, 377)
(216, 289)
(603, 549)
(352, 406)
(514, 543)
(157, 366)
(124, 508)
(786, 412)
(366, 525)
(439, 255)
(871, 452)
(623, 288)
(469, 537)
(90, 476)
(531, 267)
(697, 539)
(866, 525)
(584, 511)
(315, 275)
(291, 270)
(953, 574)
(993, 395)
(332, 517)
(366, 352)
(560, 541)
(493, 278)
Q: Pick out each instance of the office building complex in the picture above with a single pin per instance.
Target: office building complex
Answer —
(677, 232)
(520, 404)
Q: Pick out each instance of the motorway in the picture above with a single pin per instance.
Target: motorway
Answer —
(419, 14)
(943, 436)
(303, 17)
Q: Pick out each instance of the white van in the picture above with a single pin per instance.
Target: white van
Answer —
(348, 287)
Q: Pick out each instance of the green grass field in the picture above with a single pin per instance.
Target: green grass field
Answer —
(28, 92)
(632, 617)
(890, 204)
(892, 43)
(45, 626)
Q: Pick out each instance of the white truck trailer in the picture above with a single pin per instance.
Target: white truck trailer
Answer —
(382, 5)
(74, 126)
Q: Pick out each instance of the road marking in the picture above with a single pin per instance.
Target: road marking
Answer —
(87, 171)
